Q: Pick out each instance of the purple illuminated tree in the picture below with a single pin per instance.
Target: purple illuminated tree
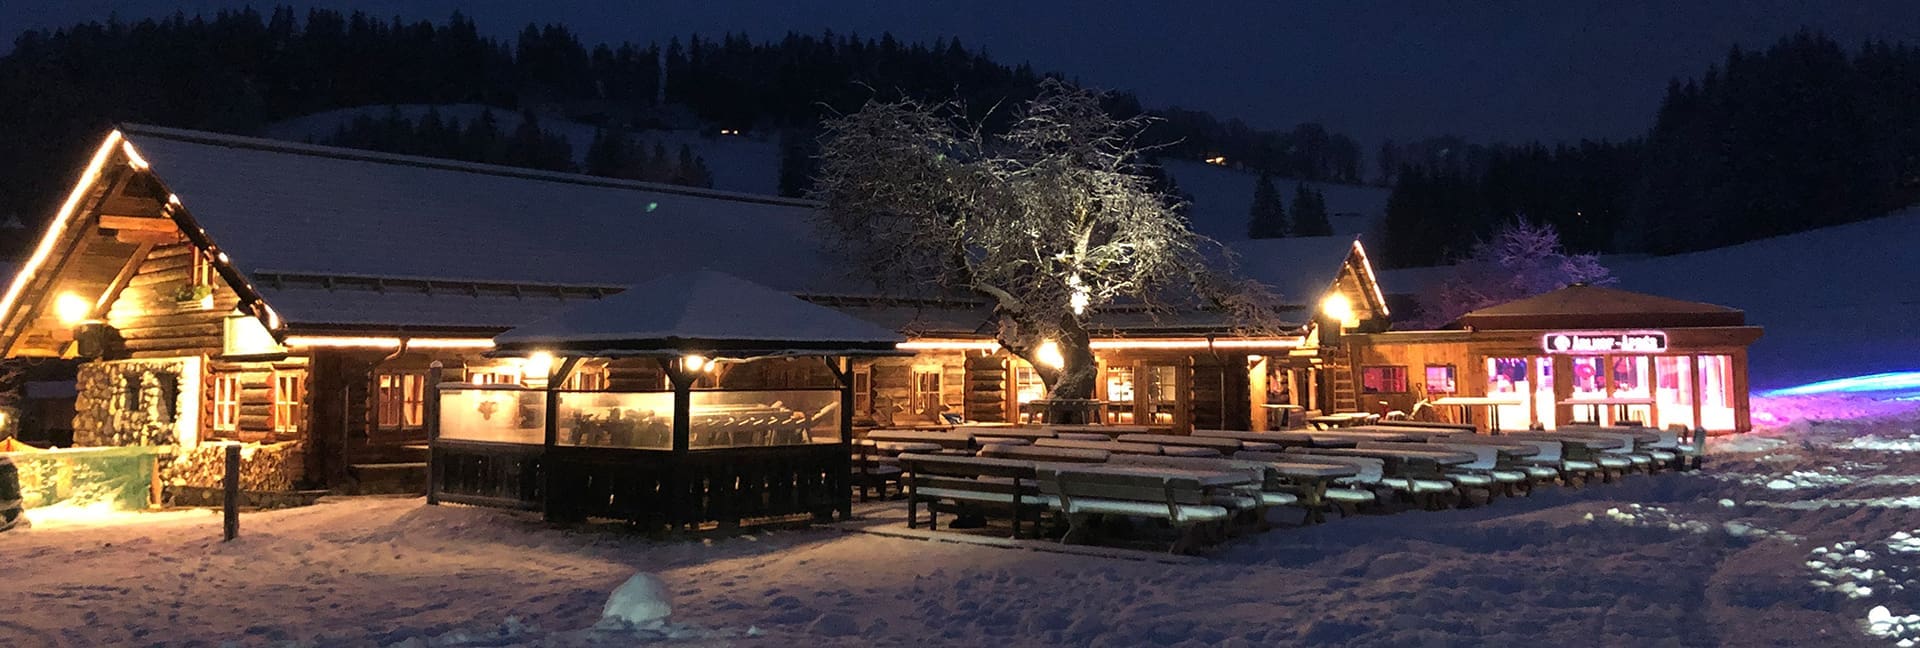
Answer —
(1523, 259)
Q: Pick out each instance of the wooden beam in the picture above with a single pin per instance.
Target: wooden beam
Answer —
(120, 280)
(147, 238)
(138, 223)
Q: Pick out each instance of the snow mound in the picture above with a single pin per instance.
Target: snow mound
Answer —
(1909, 444)
(641, 601)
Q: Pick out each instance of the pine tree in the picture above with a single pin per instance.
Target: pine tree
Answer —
(1310, 212)
(1267, 217)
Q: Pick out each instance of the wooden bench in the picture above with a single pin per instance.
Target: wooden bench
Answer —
(1687, 447)
(1179, 500)
(1268, 488)
(876, 464)
(1044, 453)
(1113, 447)
(1222, 446)
(1282, 439)
(1420, 475)
(1346, 493)
(972, 484)
(1459, 427)
(1520, 455)
(949, 441)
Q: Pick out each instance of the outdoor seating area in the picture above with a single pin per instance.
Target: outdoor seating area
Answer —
(1115, 485)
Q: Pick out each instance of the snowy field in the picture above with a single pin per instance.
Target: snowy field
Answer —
(1799, 535)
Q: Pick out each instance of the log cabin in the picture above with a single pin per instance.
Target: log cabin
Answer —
(217, 287)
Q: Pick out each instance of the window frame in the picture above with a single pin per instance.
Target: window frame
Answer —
(399, 400)
(289, 404)
(224, 402)
(1453, 379)
(1386, 382)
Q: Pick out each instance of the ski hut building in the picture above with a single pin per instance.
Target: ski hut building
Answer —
(1581, 354)
(295, 297)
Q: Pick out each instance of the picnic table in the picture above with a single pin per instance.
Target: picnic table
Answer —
(1223, 446)
(929, 436)
(1365, 434)
(902, 447)
(1114, 447)
(1596, 442)
(1339, 419)
(1640, 434)
(1259, 441)
(1437, 455)
(1027, 433)
(1043, 453)
(1467, 403)
(1207, 478)
(1109, 430)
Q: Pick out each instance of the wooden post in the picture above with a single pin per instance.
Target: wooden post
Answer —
(230, 510)
(843, 496)
(675, 479)
(432, 414)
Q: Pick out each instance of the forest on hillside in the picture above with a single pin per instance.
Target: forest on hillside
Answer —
(1800, 135)
(238, 71)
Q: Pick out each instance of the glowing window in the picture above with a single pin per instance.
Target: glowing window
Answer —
(226, 403)
(289, 402)
(401, 400)
(1383, 380)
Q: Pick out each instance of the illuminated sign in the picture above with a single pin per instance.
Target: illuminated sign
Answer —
(1604, 342)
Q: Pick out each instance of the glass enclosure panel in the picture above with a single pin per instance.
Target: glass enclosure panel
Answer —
(1630, 380)
(498, 414)
(1120, 395)
(726, 419)
(1716, 392)
(1543, 400)
(641, 420)
(1163, 393)
(1507, 376)
(1673, 389)
(1028, 385)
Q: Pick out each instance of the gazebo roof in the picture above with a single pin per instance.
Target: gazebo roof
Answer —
(702, 311)
(1582, 306)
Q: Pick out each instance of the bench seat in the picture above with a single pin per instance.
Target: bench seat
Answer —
(986, 497)
(1349, 496)
(1189, 513)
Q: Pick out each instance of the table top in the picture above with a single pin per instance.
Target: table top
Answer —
(1597, 442)
(1205, 477)
(1319, 470)
(1639, 434)
(1436, 455)
(1608, 400)
(898, 447)
(1363, 434)
(1509, 449)
(1109, 430)
(1181, 440)
(982, 424)
(1479, 400)
(1012, 433)
(917, 435)
(1189, 451)
(1109, 446)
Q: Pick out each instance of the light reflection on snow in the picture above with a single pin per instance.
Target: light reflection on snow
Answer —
(1895, 381)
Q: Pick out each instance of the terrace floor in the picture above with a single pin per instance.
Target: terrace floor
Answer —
(1754, 550)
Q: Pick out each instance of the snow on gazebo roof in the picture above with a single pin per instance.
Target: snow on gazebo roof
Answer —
(1583, 306)
(701, 311)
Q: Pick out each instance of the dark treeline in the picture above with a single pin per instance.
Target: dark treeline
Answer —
(239, 71)
(523, 143)
(1804, 134)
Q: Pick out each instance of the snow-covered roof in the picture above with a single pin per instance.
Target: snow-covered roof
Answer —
(1582, 306)
(700, 311)
(1301, 269)
(279, 209)
(314, 209)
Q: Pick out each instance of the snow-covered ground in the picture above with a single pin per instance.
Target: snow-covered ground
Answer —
(1802, 534)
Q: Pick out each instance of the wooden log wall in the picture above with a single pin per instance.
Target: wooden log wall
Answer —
(986, 389)
(153, 324)
(256, 379)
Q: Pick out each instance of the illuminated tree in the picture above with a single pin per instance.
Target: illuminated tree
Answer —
(1521, 260)
(1048, 220)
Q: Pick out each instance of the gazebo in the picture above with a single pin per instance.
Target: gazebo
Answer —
(733, 402)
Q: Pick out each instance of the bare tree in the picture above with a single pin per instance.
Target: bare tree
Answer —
(1521, 260)
(1048, 220)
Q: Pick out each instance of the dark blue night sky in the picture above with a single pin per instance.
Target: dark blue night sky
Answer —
(1487, 71)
